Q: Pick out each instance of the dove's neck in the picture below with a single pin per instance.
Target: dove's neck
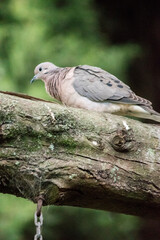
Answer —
(54, 81)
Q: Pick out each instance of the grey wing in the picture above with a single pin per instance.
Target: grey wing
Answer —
(99, 85)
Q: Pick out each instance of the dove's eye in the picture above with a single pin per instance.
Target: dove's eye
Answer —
(40, 69)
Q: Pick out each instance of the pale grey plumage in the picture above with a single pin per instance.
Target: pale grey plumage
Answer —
(99, 85)
(94, 89)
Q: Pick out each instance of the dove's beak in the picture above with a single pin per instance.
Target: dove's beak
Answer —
(33, 79)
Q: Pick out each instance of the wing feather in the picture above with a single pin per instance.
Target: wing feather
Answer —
(100, 86)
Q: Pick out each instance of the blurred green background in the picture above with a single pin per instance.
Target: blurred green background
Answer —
(121, 37)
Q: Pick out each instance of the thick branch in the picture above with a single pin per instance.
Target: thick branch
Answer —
(78, 158)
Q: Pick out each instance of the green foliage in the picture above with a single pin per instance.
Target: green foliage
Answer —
(76, 223)
(65, 223)
(65, 32)
(14, 215)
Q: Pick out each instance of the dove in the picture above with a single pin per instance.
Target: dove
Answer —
(94, 89)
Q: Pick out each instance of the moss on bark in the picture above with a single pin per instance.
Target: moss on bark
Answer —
(79, 158)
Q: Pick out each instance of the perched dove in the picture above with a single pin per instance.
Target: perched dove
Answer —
(93, 89)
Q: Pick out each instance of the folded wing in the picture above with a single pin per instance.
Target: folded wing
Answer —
(100, 86)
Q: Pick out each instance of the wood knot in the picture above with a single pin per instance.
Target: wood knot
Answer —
(123, 140)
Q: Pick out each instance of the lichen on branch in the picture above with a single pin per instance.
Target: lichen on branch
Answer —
(78, 158)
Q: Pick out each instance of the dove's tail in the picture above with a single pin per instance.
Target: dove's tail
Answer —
(153, 117)
(144, 112)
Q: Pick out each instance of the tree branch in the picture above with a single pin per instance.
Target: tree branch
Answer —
(78, 158)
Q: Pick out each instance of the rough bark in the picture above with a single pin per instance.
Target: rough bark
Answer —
(78, 158)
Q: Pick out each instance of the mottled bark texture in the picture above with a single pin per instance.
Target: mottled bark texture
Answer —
(78, 158)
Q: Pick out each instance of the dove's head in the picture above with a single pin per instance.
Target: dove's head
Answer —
(42, 70)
